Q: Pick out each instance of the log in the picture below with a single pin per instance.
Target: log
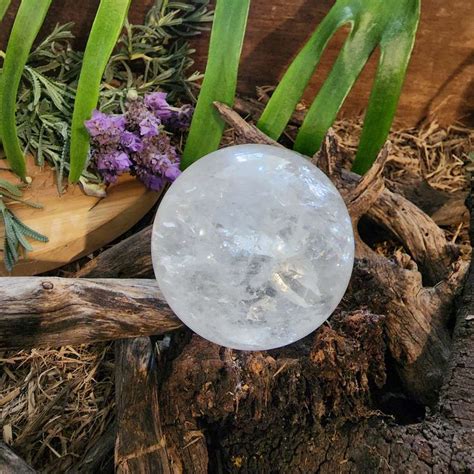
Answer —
(416, 326)
(45, 311)
(10, 463)
(140, 444)
(307, 411)
(130, 258)
(97, 456)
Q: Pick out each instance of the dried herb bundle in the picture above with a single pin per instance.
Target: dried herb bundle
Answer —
(149, 56)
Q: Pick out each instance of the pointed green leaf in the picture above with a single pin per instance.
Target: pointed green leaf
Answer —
(220, 79)
(103, 37)
(28, 21)
(396, 48)
(289, 92)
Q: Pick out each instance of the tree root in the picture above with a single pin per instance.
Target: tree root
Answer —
(305, 408)
(416, 316)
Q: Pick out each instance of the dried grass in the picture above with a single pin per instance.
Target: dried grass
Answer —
(55, 403)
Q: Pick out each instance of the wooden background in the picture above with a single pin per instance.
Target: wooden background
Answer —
(440, 78)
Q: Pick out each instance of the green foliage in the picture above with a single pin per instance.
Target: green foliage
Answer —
(220, 79)
(149, 56)
(158, 50)
(105, 32)
(4, 4)
(16, 232)
(391, 25)
(28, 21)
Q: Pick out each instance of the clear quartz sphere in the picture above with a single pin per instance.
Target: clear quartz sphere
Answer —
(253, 247)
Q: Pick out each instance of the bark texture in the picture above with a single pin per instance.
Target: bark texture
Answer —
(45, 311)
(140, 445)
(10, 463)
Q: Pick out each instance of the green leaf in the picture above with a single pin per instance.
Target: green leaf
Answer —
(220, 79)
(289, 92)
(28, 21)
(103, 37)
(4, 4)
(396, 47)
(9, 188)
(28, 231)
(390, 24)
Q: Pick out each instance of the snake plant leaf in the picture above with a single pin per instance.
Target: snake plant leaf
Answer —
(391, 25)
(396, 47)
(4, 4)
(289, 92)
(27, 24)
(106, 29)
(220, 79)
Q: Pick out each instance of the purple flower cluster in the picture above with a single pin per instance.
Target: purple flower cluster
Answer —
(137, 142)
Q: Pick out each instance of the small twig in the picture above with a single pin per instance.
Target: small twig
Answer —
(245, 130)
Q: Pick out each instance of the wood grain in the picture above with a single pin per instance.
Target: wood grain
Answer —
(44, 311)
(416, 314)
(75, 224)
(10, 463)
(130, 258)
(140, 446)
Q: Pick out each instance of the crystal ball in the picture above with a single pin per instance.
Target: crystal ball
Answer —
(253, 247)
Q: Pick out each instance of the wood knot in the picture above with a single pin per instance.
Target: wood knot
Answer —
(47, 285)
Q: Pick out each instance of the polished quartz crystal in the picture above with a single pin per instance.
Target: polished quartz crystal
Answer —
(253, 247)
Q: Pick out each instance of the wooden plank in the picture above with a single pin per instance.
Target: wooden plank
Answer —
(51, 311)
(75, 224)
(140, 445)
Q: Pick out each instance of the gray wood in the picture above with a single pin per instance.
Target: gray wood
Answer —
(48, 311)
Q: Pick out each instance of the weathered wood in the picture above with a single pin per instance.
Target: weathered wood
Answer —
(287, 411)
(10, 463)
(246, 132)
(416, 324)
(45, 311)
(140, 445)
(98, 455)
(425, 241)
(130, 258)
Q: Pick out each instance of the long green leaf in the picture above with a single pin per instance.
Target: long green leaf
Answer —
(220, 79)
(396, 48)
(28, 21)
(4, 4)
(391, 24)
(289, 92)
(334, 91)
(105, 32)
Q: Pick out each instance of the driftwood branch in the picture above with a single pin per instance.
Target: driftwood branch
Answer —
(43, 311)
(130, 258)
(10, 463)
(416, 324)
(247, 132)
(140, 444)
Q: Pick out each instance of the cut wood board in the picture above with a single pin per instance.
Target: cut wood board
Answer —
(75, 224)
